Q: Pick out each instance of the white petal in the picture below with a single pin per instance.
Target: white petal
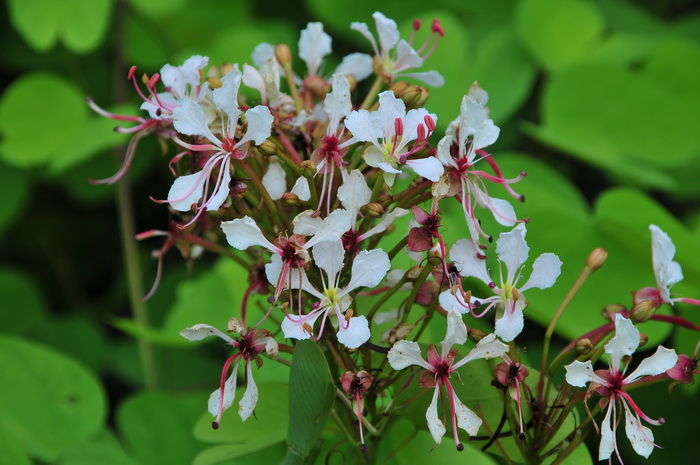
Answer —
(437, 429)
(640, 436)
(390, 108)
(314, 44)
(305, 224)
(429, 168)
(466, 419)
(387, 220)
(262, 52)
(328, 256)
(456, 331)
(406, 57)
(501, 210)
(187, 190)
(580, 373)
(333, 227)
(356, 334)
(259, 125)
(241, 233)
(191, 68)
(487, 348)
(200, 331)
(189, 119)
(253, 79)
(226, 97)
(510, 324)
(512, 249)
(387, 30)
(487, 135)
(360, 124)
(432, 78)
(221, 193)
(368, 269)
(663, 359)
(624, 343)
(469, 265)
(229, 393)
(294, 329)
(443, 152)
(452, 302)
(358, 65)
(413, 119)
(364, 30)
(607, 436)
(545, 272)
(337, 103)
(354, 193)
(404, 354)
(296, 277)
(667, 271)
(250, 398)
(301, 189)
(275, 179)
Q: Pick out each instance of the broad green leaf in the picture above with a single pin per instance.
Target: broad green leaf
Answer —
(157, 427)
(40, 114)
(559, 33)
(50, 402)
(81, 24)
(505, 71)
(159, 8)
(14, 190)
(624, 48)
(419, 449)
(237, 439)
(630, 17)
(234, 45)
(12, 451)
(311, 395)
(102, 448)
(78, 337)
(145, 46)
(580, 456)
(23, 305)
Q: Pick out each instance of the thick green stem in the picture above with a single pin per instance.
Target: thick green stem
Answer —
(373, 91)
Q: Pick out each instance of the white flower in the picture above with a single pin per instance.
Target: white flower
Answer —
(611, 383)
(666, 271)
(438, 369)
(390, 130)
(512, 251)
(396, 56)
(314, 44)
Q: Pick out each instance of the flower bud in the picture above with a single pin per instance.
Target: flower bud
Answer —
(609, 311)
(414, 273)
(308, 169)
(413, 96)
(283, 55)
(642, 312)
(317, 86)
(435, 255)
(643, 339)
(475, 334)
(290, 199)
(373, 209)
(226, 68)
(596, 258)
(583, 346)
(385, 200)
(268, 148)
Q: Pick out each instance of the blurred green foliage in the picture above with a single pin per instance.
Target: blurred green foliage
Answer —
(597, 100)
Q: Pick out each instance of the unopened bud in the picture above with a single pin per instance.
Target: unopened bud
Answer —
(414, 273)
(643, 339)
(475, 334)
(642, 312)
(227, 68)
(609, 311)
(385, 200)
(283, 55)
(317, 86)
(268, 148)
(373, 209)
(413, 96)
(307, 169)
(584, 346)
(435, 255)
(596, 258)
(214, 82)
(290, 199)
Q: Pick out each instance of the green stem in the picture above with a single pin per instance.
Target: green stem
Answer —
(376, 85)
(216, 248)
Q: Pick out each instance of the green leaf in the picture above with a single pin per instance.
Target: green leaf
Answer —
(239, 439)
(559, 33)
(78, 337)
(23, 306)
(12, 451)
(419, 449)
(14, 190)
(81, 24)
(505, 71)
(311, 395)
(102, 448)
(159, 8)
(50, 403)
(157, 427)
(40, 113)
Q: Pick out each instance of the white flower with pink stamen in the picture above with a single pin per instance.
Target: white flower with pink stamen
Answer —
(471, 132)
(438, 369)
(189, 118)
(611, 385)
(512, 251)
(368, 270)
(666, 271)
(395, 55)
(390, 130)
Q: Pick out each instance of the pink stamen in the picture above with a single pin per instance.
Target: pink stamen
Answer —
(215, 424)
(451, 394)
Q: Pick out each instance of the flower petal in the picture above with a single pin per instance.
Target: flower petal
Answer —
(354, 193)
(456, 331)
(511, 323)
(432, 78)
(226, 97)
(221, 193)
(607, 436)
(301, 189)
(200, 331)
(250, 398)
(337, 103)
(437, 429)
(361, 126)
(305, 223)
(332, 228)
(404, 354)
(189, 119)
(358, 65)
(356, 334)
(387, 220)
(368, 269)
(186, 191)
(640, 436)
(545, 272)
(387, 30)
(429, 168)
(667, 271)
(293, 328)
(487, 348)
(512, 249)
(329, 256)
(663, 359)
(229, 393)
(275, 179)
(390, 108)
(314, 44)
(468, 264)
(406, 57)
(241, 233)
(580, 373)
(466, 419)
(624, 343)
(259, 125)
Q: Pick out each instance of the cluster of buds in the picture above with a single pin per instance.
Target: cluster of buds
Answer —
(306, 183)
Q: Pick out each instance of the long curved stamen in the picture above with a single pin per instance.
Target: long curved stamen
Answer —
(627, 398)
(215, 424)
(359, 417)
(130, 151)
(451, 394)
